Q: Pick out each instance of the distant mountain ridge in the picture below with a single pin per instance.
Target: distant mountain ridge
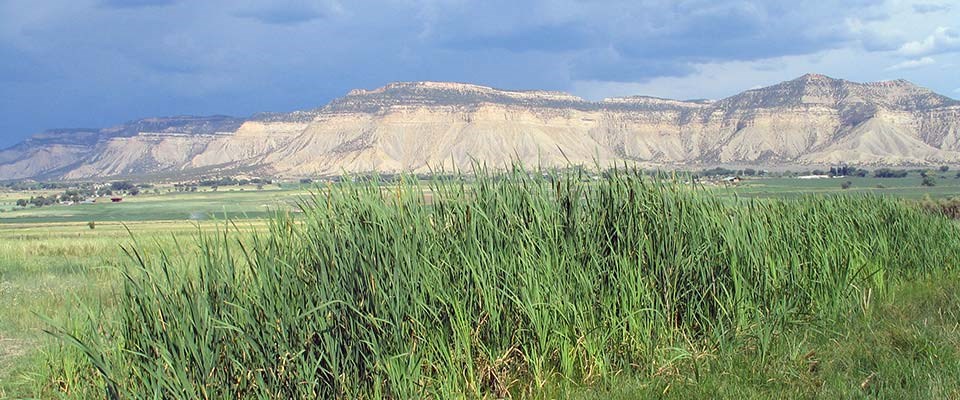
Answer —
(415, 126)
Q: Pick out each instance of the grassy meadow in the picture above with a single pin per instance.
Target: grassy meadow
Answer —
(167, 206)
(48, 269)
(625, 287)
(910, 187)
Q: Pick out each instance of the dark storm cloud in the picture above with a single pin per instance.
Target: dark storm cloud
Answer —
(732, 32)
(662, 38)
(630, 70)
(114, 60)
(560, 37)
(21, 67)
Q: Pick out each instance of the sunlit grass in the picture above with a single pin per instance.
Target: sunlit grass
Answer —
(511, 285)
(47, 269)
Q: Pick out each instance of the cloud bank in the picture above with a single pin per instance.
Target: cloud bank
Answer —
(100, 62)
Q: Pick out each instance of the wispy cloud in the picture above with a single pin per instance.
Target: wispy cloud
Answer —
(912, 64)
(927, 8)
(942, 40)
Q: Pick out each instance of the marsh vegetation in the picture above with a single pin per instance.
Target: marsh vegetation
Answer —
(527, 285)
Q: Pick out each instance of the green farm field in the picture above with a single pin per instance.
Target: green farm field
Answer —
(910, 187)
(800, 318)
(204, 205)
(250, 203)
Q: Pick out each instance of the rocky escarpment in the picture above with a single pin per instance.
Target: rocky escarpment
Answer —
(418, 126)
(65, 153)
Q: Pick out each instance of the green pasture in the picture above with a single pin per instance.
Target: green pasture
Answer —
(250, 203)
(46, 269)
(184, 206)
(909, 188)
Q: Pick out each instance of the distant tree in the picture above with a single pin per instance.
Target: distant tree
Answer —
(134, 191)
(890, 173)
(929, 181)
(225, 181)
(944, 168)
(259, 186)
(306, 180)
(846, 185)
(41, 201)
(842, 170)
(121, 186)
(819, 172)
(92, 224)
(22, 202)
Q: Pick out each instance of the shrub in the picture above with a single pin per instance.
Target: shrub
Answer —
(890, 173)
(121, 186)
(946, 207)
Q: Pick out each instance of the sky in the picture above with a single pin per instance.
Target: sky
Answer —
(98, 63)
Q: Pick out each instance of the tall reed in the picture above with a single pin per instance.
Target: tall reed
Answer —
(496, 285)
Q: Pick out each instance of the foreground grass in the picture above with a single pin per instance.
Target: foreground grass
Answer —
(518, 286)
(908, 343)
(903, 346)
(47, 269)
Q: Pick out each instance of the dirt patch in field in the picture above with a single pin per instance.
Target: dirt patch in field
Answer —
(10, 350)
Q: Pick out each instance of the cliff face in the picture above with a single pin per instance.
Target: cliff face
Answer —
(137, 147)
(417, 126)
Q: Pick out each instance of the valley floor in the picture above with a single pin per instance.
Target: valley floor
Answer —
(904, 343)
